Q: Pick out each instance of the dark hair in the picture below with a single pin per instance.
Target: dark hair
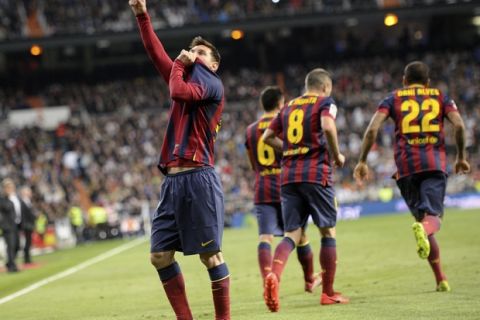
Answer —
(317, 79)
(270, 97)
(416, 72)
(199, 41)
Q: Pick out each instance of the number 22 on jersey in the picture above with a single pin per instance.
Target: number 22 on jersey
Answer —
(430, 106)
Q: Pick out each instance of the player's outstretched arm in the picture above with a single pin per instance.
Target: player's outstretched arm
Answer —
(330, 129)
(152, 44)
(461, 164)
(269, 138)
(360, 172)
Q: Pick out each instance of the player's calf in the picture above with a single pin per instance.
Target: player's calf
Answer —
(305, 257)
(220, 279)
(174, 286)
(264, 253)
(436, 265)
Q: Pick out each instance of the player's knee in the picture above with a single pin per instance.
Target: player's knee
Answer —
(328, 232)
(303, 238)
(295, 235)
(266, 238)
(161, 259)
(211, 259)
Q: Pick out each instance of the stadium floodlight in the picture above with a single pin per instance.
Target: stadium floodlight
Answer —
(36, 50)
(237, 34)
(391, 19)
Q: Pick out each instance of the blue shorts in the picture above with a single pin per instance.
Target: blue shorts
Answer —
(269, 218)
(301, 200)
(424, 192)
(190, 214)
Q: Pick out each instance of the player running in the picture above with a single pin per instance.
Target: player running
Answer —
(301, 131)
(419, 112)
(190, 214)
(265, 162)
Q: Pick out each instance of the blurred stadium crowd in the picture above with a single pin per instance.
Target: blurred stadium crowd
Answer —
(34, 18)
(112, 141)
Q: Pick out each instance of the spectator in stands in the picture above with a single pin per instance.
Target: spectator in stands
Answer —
(34, 18)
(117, 150)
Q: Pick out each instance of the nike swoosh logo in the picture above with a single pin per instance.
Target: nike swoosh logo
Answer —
(204, 244)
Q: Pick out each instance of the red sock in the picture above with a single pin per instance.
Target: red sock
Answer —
(431, 224)
(434, 259)
(175, 290)
(328, 262)
(220, 278)
(221, 298)
(281, 256)
(264, 258)
(305, 256)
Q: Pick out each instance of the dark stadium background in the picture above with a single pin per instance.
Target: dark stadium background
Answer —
(87, 56)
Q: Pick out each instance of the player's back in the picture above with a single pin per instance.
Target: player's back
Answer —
(305, 149)
(418, 113)
(265, 161)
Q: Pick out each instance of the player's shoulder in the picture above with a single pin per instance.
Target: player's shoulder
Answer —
(438, 92)
(201, 71)
(327, 105)
(392, 94)
(389, 98)
(326, 101)
(253, 125)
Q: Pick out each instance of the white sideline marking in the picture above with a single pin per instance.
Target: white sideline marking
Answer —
(73, 270)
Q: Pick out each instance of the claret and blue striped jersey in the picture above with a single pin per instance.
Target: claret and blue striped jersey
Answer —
(305, 148)
(197, 104)
(195, 113)
(418, 113)
(265, 161)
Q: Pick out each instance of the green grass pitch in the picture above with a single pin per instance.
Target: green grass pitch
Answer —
(378, 269)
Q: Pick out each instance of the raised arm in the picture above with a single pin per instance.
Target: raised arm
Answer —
(461, 164)
(152, 44)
